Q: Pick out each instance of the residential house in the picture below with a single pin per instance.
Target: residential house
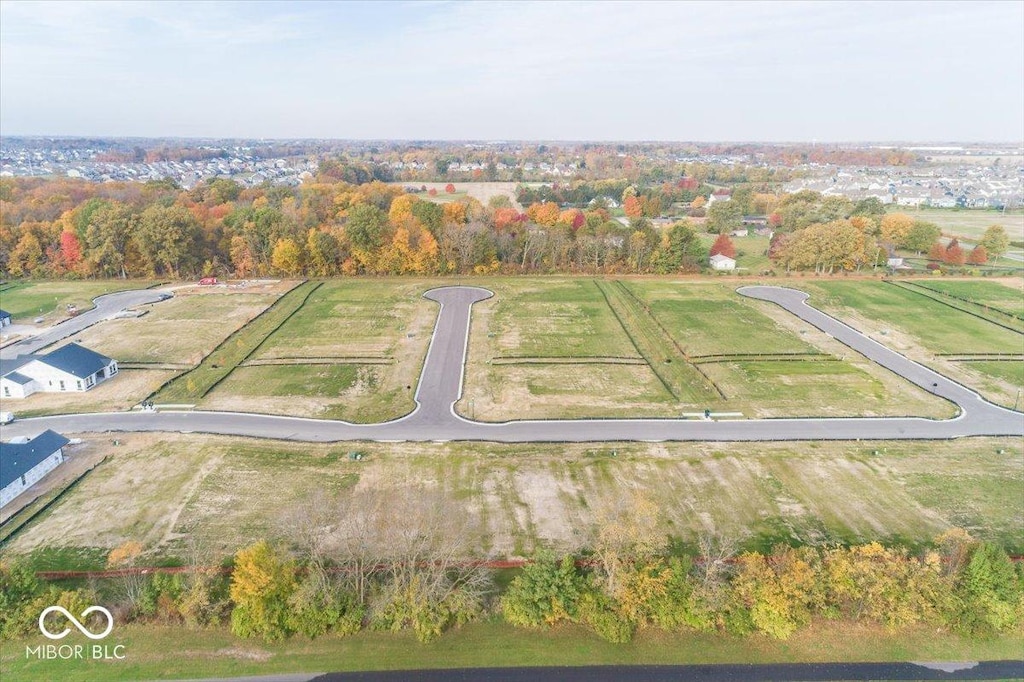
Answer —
(720, 262)
(22, 464)
(5, 319)
(69, 368)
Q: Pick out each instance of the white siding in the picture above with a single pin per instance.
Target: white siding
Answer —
(18, 485)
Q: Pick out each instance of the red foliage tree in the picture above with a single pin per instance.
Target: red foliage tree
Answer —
(70, 249)
(955, 254)
(723, 245)
(632, 207)
(937, 252)
(978, 255)
(450, 188)
(432, 192)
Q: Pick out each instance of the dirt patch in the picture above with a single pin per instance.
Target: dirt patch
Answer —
(127, 389)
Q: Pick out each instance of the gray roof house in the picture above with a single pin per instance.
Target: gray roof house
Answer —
(69, 368)
(22, 464)
(5, 318)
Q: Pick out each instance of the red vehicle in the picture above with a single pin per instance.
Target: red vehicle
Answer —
(206, 281)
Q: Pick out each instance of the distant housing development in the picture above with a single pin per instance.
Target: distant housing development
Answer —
(24, 463)
(69, 368)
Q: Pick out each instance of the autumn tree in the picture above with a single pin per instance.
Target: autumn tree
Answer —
(724, 246)
(27, 257)
(287, 257)
(70, 250)
(262, 582)
(895, 228)
(545, 214)
(954, 253)
(921, 236)
(449, 188)
(168, 239)
(937, 252)
(632, 207)
(978, 255)
(995, 241)
(724, 217)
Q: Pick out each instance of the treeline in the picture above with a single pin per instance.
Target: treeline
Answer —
(330, 226)
(830, 234)
(325, 227)
(625, 583)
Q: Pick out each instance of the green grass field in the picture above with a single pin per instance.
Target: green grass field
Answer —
(710, 319)
(685, 332)
(1004, 295)
(369, 337)
(162, 652)
(196, 383)
(227, 492)
(933, 326)
(970, 223)
(26, 301)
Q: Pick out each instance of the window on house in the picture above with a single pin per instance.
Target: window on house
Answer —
(62, 385)
(78, 384)
(7, 392)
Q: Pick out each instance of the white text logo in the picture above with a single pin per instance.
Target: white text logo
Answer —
(84, 630)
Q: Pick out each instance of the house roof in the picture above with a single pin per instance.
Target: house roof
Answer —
(19, 458)
(720, 258)
(75, 360)
(4, 313)
(17, 378)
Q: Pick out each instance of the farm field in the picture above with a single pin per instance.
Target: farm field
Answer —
(970, 223)
(223, 493)
(552, 348)
(26, 301)
(352, 351)
(947, 336)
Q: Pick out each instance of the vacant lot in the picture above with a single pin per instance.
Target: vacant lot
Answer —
(368, 340)
(129, 388)
(182, 330)
(481, 191)
(924, 329)
(226, 492)
(548, 348)
(1006, 295)
(26, 301)
(969, 223)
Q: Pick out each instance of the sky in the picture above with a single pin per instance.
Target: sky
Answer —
(675, 71)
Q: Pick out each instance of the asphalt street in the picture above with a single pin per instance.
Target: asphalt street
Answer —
(777, 672)
(440, 386)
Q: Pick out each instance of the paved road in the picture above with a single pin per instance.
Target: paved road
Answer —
(106, 306)
(781, 672)
(434, 418)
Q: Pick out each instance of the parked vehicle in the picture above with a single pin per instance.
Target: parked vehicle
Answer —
(207, 281)
(6, 417)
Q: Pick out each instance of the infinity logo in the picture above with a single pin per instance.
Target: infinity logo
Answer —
(84, 630)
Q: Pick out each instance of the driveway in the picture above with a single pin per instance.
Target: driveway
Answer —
(440, 386)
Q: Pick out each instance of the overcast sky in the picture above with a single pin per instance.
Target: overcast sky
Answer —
(826, 71)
